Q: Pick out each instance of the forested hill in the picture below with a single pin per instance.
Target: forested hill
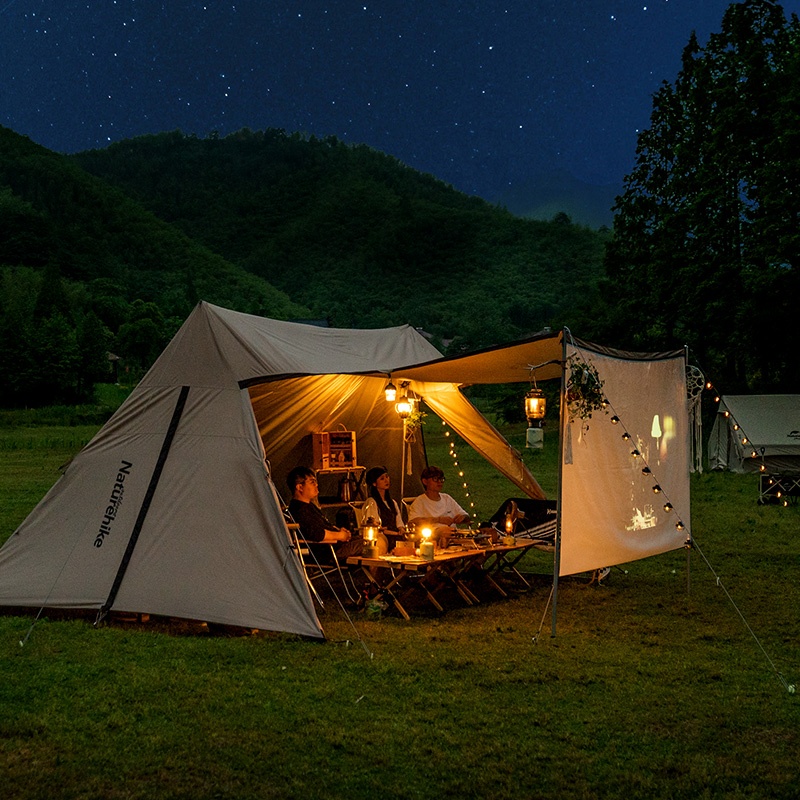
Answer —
(85, 271)
(358, 237)
(53, 214)
(108, 251)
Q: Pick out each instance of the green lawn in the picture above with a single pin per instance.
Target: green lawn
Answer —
(647, 691)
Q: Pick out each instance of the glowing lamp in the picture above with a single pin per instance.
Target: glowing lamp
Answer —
(656, 489)
(371, 541)
(426, 548)
(679, 526)
(390, 392)
(403, 407)
(614, 420)
(535, 405)
(668, 507)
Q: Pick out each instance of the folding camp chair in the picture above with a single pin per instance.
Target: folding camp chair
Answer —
(319, 570)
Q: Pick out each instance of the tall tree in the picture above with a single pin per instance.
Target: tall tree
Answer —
(705, 249)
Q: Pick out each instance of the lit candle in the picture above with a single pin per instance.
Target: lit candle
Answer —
(426, 546)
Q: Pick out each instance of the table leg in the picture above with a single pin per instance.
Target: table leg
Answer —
(385, 590)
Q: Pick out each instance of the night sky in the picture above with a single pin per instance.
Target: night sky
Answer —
(485, 95)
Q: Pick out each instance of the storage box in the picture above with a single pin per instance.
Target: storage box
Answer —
(334, 449)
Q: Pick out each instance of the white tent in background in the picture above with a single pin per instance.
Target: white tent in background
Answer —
(755, 431)
(173, 508)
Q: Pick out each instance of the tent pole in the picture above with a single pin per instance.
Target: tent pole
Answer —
(692, 456)
(562, 421)
(403, 464)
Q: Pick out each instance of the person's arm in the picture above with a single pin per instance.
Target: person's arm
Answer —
(457, 514)
(339, 535)
(314, 526)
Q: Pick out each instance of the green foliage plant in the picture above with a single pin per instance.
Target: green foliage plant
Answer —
(584, 388)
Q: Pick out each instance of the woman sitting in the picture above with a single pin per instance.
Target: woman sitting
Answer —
(381, 508)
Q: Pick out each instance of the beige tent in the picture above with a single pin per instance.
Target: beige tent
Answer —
(173, 508)
(757, 433)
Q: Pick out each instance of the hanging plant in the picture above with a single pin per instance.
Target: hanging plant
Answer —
(584, 389)
(415, 420)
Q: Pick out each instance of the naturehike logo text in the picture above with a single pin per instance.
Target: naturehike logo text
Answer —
(114, 503)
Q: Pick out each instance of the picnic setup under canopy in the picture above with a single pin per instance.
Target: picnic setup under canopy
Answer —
(177, 506)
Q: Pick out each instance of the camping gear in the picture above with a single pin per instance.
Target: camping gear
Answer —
(173, 508)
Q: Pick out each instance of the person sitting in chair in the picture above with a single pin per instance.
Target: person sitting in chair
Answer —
(381, 508)
(435, 508)
(314, 526)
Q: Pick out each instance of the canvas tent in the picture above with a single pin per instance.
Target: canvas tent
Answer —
(173, 508)
(755, 431)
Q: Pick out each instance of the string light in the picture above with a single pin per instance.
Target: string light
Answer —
(469, 503)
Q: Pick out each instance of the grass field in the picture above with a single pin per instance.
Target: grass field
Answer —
(653, 688)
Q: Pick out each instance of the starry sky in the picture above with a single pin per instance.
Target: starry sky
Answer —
(485, 95)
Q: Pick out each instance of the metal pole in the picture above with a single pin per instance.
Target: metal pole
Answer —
(403, 464)
(562, 416)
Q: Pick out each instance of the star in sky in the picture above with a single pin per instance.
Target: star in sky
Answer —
(484, 95)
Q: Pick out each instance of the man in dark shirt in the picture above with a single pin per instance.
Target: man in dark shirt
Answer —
(314, 527)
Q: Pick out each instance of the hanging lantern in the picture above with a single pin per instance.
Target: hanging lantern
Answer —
(390, 392)
(535, 406)
(403, 407)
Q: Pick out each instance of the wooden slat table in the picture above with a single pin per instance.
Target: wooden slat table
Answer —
(390, 574)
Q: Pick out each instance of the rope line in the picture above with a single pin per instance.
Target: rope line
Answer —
(790, 688)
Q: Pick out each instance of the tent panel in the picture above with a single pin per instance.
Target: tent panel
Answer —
(609, 512)
(450, 404)
(289, 410)
(65, 554)
(216, 347)
(231, 557)
(768, 425)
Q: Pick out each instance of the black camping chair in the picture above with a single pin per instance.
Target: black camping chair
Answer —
(527, 518)
(319, 562)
